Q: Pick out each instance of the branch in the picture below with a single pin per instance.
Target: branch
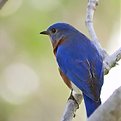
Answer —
(2, 3)
(91, 7)
(111, 61)
(71, 108)
(110, 110)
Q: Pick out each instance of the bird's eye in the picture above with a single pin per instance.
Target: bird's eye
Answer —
(53, 30)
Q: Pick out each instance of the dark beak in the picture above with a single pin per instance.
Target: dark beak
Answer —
(45, 32)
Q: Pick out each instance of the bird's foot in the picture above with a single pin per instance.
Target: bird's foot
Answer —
(73, 98)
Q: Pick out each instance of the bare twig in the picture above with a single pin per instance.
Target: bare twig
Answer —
(2, 3)
(111, 61)
(91, 7)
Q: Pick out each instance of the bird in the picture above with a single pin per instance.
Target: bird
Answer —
(80, 63)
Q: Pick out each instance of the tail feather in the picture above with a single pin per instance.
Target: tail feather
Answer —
(90, 105)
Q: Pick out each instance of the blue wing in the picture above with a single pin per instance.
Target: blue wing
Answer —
(80, 61)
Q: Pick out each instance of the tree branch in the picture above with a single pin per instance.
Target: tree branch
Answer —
(91, 7)
(2, 3)
(110, 110)
(108, 62)
(111, 61)
(71, 108)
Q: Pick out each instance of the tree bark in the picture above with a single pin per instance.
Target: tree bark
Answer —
(110, 110)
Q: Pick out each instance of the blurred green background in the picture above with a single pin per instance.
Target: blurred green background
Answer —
(30, 86)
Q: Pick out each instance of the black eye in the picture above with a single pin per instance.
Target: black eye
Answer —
(53, 30)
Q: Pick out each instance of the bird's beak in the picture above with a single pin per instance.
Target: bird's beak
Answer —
(44, 32)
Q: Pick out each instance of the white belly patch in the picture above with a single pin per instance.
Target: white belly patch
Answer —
(76, 90)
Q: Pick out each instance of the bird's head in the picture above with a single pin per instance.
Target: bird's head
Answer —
(58, 32)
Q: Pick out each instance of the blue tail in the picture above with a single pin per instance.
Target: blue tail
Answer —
(90, 105)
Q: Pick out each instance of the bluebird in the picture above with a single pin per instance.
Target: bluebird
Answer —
(80, 63)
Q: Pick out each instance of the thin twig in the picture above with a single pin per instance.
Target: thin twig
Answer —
(111, 61)
(91, 7)
(2, 3)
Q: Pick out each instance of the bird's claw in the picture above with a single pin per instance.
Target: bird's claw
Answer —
(73, 98)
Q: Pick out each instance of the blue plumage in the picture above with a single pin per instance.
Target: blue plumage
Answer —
(79, 61)
(90, 105)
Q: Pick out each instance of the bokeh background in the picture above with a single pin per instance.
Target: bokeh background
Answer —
(30, 86)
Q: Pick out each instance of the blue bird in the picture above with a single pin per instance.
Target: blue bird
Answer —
(80, 63)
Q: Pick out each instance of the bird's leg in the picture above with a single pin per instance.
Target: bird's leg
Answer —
(73, 98)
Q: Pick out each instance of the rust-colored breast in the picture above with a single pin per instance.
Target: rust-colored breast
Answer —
(65, 78)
